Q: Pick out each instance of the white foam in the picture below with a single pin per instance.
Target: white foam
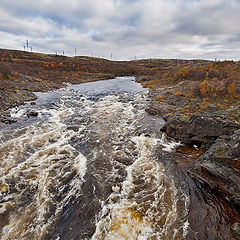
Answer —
(168, 145)
(80, 164)
(17, 113)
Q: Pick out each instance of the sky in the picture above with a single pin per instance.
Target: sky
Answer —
(124, 29)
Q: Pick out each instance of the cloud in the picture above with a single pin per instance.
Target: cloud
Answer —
(125, 28)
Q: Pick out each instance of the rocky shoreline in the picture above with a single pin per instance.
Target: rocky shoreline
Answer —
(212, 128)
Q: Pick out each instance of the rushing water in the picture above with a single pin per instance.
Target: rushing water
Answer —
(88, 167)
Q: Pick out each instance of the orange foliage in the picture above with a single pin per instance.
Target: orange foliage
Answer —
(177, 93)
(204, 87)
(207, 75)
(232, 90)
(159, 98)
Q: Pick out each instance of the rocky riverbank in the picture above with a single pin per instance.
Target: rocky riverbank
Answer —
(210, 125)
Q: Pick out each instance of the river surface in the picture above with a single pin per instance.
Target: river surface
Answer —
(94, 165)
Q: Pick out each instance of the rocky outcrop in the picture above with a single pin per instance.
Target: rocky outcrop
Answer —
(198, 129)
(219, 167)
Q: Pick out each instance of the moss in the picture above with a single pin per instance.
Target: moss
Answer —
(222, 150)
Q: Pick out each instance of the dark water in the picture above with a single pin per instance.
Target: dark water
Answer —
(94, 165)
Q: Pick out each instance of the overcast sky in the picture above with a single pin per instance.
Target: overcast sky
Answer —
(206, 29)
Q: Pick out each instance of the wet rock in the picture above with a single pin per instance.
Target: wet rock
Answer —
(219, 167)
(74, 128)
(123, 160)
(7, 120)
(32, 114)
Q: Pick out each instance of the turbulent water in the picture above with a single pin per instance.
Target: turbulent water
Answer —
(86, 168)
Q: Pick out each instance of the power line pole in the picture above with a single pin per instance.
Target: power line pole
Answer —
(27, 44)
(75, 51)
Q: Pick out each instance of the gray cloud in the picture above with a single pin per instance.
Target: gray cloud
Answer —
(153, 28)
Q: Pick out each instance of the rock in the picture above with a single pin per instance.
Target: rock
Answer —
(32, 114)
(123, 160)
(159, 109)
(219, 167)
(74, 128)
(176, 128)
(198, 129)
(209, 128)
(236, 228)
(7, 120)
(212, 107)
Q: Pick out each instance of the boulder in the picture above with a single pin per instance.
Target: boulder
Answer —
(32, 114)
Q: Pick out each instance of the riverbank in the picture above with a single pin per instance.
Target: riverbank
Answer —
(208, 123)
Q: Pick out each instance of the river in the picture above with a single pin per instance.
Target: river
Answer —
(94, 165)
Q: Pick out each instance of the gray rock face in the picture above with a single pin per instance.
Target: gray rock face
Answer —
(198, 129)
(219, 167)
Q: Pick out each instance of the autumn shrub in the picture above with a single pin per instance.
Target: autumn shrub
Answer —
(232, 90)
(159, 98)
(178, 93)
(204, 87)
